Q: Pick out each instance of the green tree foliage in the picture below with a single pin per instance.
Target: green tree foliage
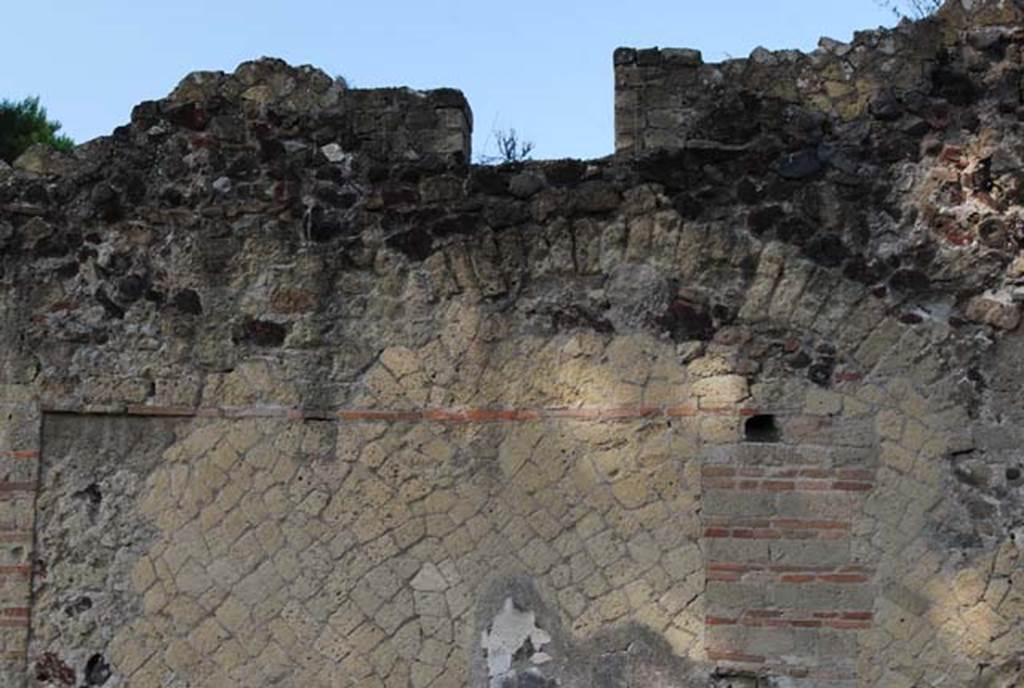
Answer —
(23, 124)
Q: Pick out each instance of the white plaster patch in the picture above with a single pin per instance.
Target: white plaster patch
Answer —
(509, 632)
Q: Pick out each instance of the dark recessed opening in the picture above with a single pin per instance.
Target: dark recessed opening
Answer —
(97, 671)
(1012, 473)
(761, 428)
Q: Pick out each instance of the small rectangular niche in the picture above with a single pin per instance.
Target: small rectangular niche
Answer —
(762, 428)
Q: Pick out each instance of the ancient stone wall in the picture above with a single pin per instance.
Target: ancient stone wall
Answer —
(292, 394)
(668, 98)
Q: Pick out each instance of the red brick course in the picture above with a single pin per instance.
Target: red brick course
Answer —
(777, 529)
(13, 536)
(14, 487)
(788, 485)
(782, 618)
(19, 454)
(786, 478)
(444, 415)
(16, 570)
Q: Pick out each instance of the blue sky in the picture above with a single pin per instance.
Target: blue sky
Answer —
(542, 67)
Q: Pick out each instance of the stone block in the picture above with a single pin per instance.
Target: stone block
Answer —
(810, 552)
(737, 503)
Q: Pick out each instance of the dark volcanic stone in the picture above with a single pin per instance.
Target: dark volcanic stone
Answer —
(131, 287)
(760, 220)
(415, 242)
(827, 250)
(799, 165)
(260, 332)
(886, 107)
(597, 196)
(188, 115)
(97, 671)
(525, 185)
(821, 373)
(564, 172)
(488, 180)
(187, 301)
(909, 280)
(112, 309)
(106, 203)
(686, 322)
(953, 85)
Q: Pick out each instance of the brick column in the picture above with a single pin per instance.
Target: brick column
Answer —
(19, 463)
(786, 594)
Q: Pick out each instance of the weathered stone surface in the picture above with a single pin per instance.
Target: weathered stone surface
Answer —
(291, 394)
(1003, 313)
(43, 160)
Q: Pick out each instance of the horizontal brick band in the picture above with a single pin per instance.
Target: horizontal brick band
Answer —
(486, 415)
(777, 529)
(15, 487)
(778, 618)
(386, 416)
(767, 485)
(20, 454)
(16, 571)
(787, 472)
(14, 623)
(686, 410)
(15, 536)
(445, 415)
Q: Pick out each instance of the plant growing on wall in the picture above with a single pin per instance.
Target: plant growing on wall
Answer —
(511, 148)
(23, 124)
(911, 9)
